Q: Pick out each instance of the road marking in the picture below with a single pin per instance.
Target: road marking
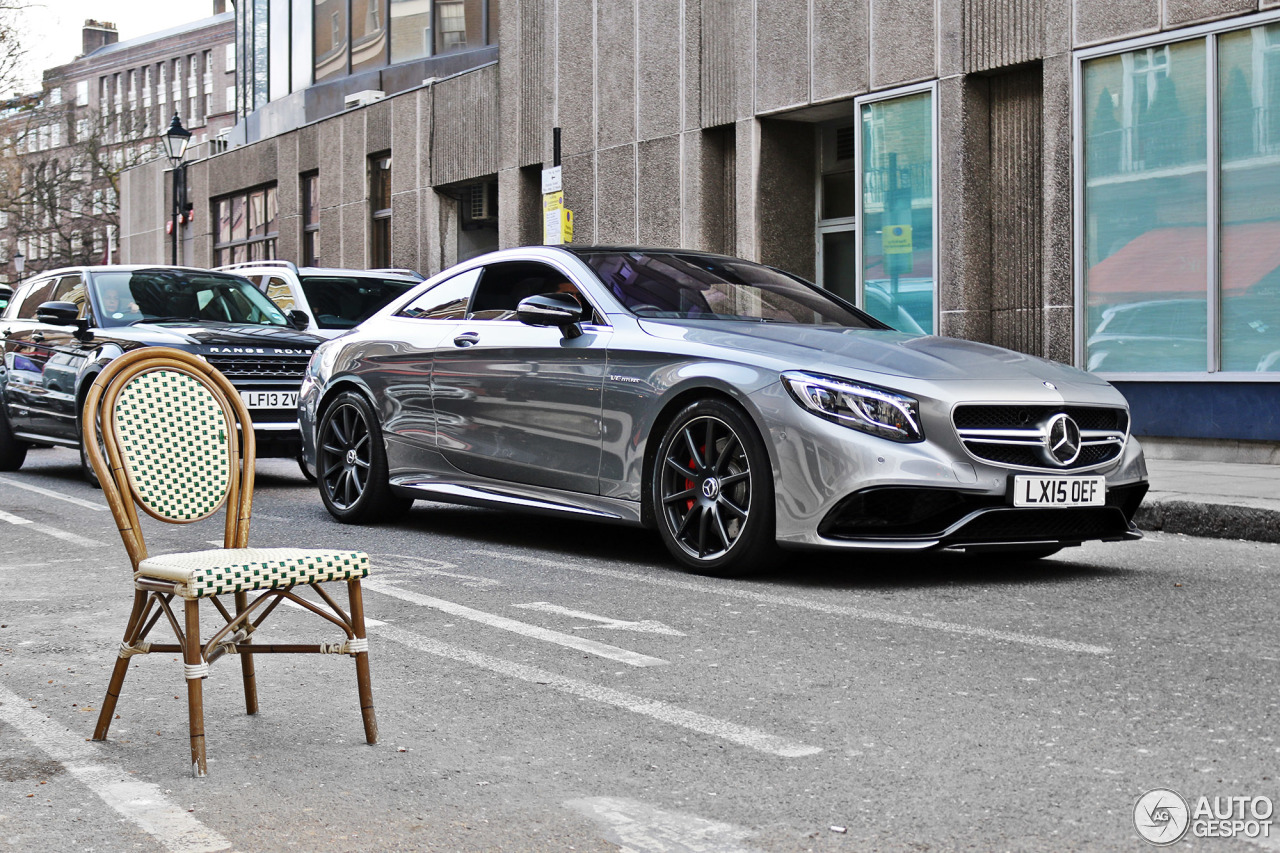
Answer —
(647, 626)
(523, 628)
(59, 495)
(140, 802)
(52, 531)
(661, 711)
(398, 564)
(642, 828)
(731, 591)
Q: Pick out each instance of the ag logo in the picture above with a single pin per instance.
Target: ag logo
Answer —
(1161, 816)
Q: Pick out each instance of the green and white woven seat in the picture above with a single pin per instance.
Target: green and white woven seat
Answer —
(226, 570)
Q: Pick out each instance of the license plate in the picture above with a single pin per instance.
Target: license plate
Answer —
(270, 399)
(1059, 491)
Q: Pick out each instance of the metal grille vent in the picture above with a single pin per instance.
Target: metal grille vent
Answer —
(1017, 436)
(261, 367)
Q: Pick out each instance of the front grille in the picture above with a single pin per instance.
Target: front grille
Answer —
(268, 368)
(1015, 435)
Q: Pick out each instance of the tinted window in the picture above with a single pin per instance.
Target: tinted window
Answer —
(27, 304)
(166, 295)
(446, 300)
(341, 302)
(710, 287)
(70, 288)
(503, 286)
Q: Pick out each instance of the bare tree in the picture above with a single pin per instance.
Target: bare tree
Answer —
(12, 49)
(60, 168)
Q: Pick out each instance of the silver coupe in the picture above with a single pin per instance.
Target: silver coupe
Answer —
(734, 407)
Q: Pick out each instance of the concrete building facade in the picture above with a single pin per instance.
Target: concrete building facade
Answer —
(1085, 180)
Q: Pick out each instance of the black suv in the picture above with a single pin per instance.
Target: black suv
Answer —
(62, 327)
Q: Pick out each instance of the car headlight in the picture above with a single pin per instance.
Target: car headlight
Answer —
(871, 410)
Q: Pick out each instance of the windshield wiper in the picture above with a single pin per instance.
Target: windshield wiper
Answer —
(163, 320)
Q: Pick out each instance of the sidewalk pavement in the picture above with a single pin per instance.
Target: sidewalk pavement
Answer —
(1222, 500)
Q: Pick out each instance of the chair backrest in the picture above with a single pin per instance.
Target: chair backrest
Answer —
(178, 442)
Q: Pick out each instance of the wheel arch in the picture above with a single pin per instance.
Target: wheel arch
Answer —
(658, 427)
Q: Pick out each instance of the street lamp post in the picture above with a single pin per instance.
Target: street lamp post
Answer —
(19, 264)
(176, 139)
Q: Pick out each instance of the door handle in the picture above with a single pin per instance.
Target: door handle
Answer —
(466, 339)
(37, 337)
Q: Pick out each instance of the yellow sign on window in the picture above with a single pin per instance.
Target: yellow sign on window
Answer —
(896, 239)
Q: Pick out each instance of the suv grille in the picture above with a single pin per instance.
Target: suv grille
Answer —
(261, 367)
(1017, 435)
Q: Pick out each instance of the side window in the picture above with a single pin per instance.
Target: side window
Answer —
(444, 301)
(279, 292)
(70, 288)
(34, 298)
(504, 285)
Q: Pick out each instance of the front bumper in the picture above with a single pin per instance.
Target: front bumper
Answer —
(839, 489)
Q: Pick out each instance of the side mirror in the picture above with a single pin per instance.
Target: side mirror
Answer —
(552, 309)
(62, 314)
(298, 319)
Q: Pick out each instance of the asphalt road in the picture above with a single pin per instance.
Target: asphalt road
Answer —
(549, 685)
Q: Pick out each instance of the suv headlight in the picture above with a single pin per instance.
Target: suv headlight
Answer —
(871, 410)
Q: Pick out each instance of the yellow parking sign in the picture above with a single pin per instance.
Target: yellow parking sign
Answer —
(896, 239)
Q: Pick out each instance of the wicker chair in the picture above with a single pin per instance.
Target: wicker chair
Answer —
(167, 432)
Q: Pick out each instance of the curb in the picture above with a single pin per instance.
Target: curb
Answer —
(1215, 521)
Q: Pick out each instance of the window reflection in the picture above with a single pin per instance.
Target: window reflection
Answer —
(897, 206)
(330, 32)
(1249, 123)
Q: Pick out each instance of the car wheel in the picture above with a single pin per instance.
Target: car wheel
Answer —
(302, 466)
(12, 452)
(712, 491)
(351, 463)
(90, 475)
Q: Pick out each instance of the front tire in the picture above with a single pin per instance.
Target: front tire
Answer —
(12, 452)
(712, 492)
(351, 463)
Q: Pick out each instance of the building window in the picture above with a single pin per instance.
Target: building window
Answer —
(246, 227)
(837, 209)
(380, 211)
(311, 219)
(896, 207)
(1178, 277)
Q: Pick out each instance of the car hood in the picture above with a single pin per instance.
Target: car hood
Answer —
(837, 350)
(242, 335)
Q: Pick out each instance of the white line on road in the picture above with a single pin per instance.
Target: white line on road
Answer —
(661, 711)
(640, 827)
(392, 564)
(522, 628)
(140, 802)
(731, 591)
(52, 531)
(647, 626)
(52, 494)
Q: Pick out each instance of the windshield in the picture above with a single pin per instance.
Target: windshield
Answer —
(342, 302)
(669, 285)
(124, 297)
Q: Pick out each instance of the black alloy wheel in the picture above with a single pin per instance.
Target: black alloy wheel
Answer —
(351, 463)
(713, 491)
(12, 452)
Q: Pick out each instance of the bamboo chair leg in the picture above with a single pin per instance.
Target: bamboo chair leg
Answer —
(120, 670)
(246, 663)
(363, 678)
(195, 692)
